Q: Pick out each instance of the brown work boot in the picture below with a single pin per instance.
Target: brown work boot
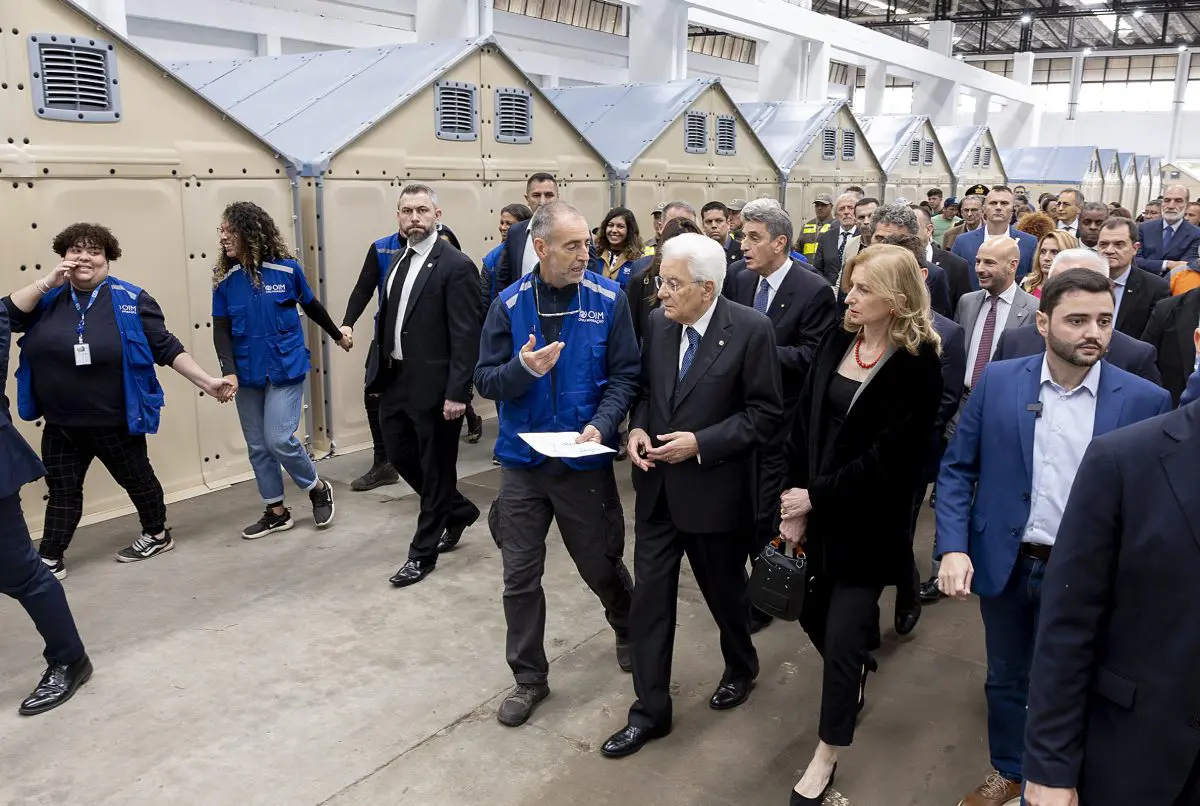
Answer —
(995, 791)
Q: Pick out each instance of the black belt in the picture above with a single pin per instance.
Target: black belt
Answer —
(1038, 551)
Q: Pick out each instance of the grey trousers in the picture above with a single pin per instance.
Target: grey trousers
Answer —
(587, 508)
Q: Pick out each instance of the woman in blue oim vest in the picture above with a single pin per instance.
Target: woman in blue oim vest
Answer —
(86, 372)
(257, 285)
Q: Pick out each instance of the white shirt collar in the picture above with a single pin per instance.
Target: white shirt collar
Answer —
(929, 253)
(777, 277)
(1091, 381)
(422, 248)
(1123, 277)
(1007, 295)
(701, 324)
(1074, 225)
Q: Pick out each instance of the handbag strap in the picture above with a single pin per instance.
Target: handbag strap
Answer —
(778, 544)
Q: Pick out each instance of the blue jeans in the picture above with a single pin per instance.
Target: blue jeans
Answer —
(269, 418)
(24, 577)
(1010, 626)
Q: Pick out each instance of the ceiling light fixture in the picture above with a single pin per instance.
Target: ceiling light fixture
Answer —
(1026, 19)
(1137, 12)
(1087, 51)
(1182, 48)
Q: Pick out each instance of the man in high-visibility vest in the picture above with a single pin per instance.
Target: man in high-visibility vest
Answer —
(814, 227)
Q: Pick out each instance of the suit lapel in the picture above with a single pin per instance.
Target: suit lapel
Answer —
(973, 312)
(1109, 402)
(1019, 314)
(1028, 393)
(711, 345)
(1130, 298)
(783, 297)
(426, 268)
(1182, 464)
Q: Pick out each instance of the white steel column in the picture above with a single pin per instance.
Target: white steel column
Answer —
(780, 68)
(658, 40)
(816, 72)
(1023, 68)
(873, 92)
(270, 45)
(1076, 87)
(941, 37)
(937, 99)
(452, 19)
(1181, 78)
(983, 104)
(111, 12)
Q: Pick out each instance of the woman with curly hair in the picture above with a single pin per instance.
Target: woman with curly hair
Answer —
(620, 244)
(87, 370)
(1049, 245)
(257, 284)
(1036, 224)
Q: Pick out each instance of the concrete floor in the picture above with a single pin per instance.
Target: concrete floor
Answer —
(287, 671)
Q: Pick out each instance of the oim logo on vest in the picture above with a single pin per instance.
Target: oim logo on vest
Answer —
(595, 317)
(275, 289)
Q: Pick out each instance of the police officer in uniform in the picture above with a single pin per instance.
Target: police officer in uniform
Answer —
(558, 353)
(815, 227)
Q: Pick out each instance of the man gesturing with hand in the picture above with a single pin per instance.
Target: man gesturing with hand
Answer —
(558, 353)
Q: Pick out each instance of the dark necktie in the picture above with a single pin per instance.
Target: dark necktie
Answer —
(985, 341)
(761, 298)
(1168, 234)
(842, 244)
(394, 292)
(689, 355)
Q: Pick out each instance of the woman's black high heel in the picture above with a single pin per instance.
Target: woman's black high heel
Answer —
(871, 665)
(800, 800)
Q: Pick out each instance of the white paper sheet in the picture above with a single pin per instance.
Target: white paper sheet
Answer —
(562, 445)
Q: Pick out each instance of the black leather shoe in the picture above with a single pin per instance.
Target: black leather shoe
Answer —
(411, 573)
(906, 620)
(628, 740)
(759, 620)
(871, 665)
(800, 800)
(624, 655)
(930, 592)
(453, 534)
(474, 426)
(730, 695)
(58, 684)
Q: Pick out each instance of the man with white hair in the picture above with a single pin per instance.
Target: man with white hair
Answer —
(1168, 242)
(710, 399)
(831, 245)
(1124, 351)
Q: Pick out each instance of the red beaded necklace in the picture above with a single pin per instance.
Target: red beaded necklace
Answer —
(858, 360)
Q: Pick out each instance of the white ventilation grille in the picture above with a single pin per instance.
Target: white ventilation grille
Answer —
(455, 111)
(726, 135)
(987, 157)
(74, 78)
(914, 152)
(829, 144)
(695, 133)
(929, 152)
(849, 145)
(975, 160)
(514, 116)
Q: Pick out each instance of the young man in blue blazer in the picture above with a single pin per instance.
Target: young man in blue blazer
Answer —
(1004, 484)
(997, 217)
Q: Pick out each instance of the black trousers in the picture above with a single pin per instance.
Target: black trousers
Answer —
(772, 475)
(68, 452)
(843, 623)
(24, 577)
(587, 508)
(423, 447)
(908, 593)
(371, 404)
(718, 561)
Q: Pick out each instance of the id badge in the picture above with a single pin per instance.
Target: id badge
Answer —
(83, 355)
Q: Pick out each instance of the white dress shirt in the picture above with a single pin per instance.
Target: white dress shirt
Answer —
(700, 325)
(1060, 436)
(420, 251)
(929, 253)
(1119, 291)
(530, 258)
(1072, 228)
(988, 236)
(773, 283)
(1003, 306)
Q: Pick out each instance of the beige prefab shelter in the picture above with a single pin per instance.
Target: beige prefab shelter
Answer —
(974, 158)
(359, 124)
(1146, 190)
(1130, 175)
(94, 130)
(911, 155)
(678, 140)
(1183, 172)
(818, 148)
(1110, 168)
(1050, 169)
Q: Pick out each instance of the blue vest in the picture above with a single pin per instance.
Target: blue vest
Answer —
(143, 395)
(567, 401)
(386, 250)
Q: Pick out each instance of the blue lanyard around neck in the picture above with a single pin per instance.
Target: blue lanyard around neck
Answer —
(83, 311)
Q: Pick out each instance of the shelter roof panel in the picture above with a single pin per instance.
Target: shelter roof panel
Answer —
(788, 129)
(889, 135)
(1049, 164)
(959, 143)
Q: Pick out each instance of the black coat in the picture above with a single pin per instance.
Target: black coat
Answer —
(1125, 352)
(730, 399)
(1113, 705)
(1170, 331)
(862, 491)
(1142, 291)
(958, 275)
(440, 337)
(825, 260)
(643, 296)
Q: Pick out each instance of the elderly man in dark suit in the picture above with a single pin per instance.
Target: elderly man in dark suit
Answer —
(710, 399)
(23, 575)
(1125, 352)
(1170, 332)
(1112, 711)
(1137, 290)
(831, 244)
(1171, 241)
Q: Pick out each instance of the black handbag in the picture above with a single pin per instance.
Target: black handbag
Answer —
(778, 582)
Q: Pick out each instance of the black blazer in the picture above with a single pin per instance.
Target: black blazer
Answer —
(643, 296)
(440, 337)
(730, 399)
(19, 465)
(1113, 704)
(958, 275)
(939, 289)
(1142, 291)
(802, 311)
(1170, 332)
(863, 490)
(954, 375)
(825, 260)
(1130, 354)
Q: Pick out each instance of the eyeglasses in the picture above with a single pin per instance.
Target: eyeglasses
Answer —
(672, 284)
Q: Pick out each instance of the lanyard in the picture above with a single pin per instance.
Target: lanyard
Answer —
(83, 311)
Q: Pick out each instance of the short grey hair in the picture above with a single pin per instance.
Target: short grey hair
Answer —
(900, 215)
(1080, 258)
(1079, 199)
(543, 221)
(418, 189)
(965, 199)
(1094, 207)
(680, 205)
(771, 215)
(1187, 194)
(704, 256)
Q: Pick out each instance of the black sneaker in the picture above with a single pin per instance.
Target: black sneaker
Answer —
(322, 504)
(268, 523)
(495, 460)
(146, 547)
(520, 702)
(57, 567)
(380, 474)
(474, 427)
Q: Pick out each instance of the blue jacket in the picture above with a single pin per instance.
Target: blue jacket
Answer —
(143, 394)
(488, 288)
(984, 488)
(19, 465)
(967, 244)
(268, 339)
(386, 249)
(1192, 392)
(1184, 245)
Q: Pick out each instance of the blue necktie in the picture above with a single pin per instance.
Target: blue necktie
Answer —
(760, 299)
(1168, 234)
(689, 355)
